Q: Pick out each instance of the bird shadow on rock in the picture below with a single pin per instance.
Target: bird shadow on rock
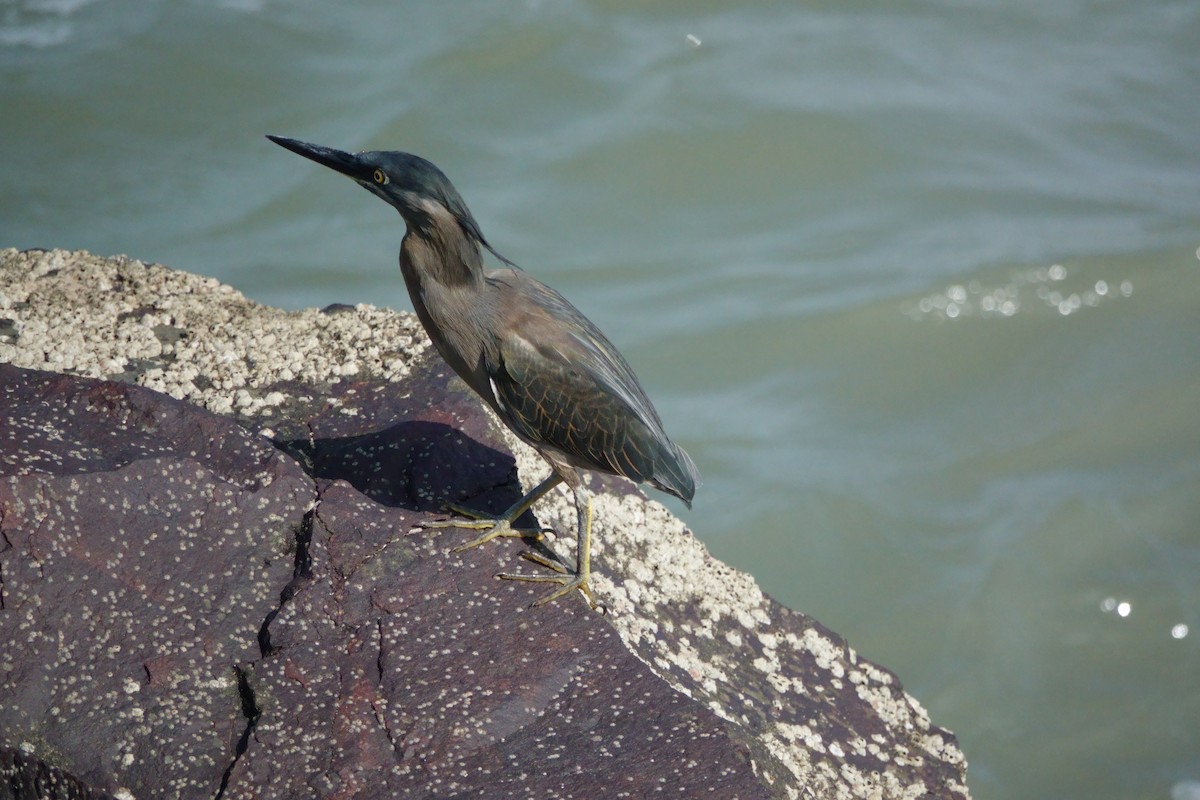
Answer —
(416, 465)
(413, 446)
(420, 466)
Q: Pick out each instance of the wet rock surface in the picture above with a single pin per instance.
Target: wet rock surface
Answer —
(244, 603)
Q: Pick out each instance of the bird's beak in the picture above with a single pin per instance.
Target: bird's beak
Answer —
(346, 163)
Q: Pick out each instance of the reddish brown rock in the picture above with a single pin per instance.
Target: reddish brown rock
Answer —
(147, 545)
(245, 605)
(24, 777)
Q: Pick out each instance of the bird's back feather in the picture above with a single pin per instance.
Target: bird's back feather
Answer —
(561, 384)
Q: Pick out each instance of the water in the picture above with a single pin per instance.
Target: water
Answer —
(916, 284)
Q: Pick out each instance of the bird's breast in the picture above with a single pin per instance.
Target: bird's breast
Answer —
(453, 320)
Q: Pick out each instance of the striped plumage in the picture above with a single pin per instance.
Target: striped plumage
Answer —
(560, 384)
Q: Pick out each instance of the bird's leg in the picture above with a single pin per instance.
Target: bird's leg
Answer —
(496, 527)
(583, 570)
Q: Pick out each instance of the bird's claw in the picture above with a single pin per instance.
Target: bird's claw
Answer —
(546, 561)
(482, 521)
(569, 580)
(464, 511)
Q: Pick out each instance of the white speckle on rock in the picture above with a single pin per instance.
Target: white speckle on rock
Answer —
(125, 305)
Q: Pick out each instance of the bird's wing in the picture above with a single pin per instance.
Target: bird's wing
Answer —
(561, 383)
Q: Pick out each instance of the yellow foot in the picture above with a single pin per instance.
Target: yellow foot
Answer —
(481, 521)
(495, 527)
(568, 581)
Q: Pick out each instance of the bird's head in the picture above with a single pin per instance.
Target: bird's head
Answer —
(413, 186)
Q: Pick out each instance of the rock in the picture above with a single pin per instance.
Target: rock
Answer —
(144, 543)
(28, 778)
(230, 594)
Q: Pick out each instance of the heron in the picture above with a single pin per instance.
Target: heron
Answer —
(544, 368)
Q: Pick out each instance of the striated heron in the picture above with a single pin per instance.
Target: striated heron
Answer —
(543, 367)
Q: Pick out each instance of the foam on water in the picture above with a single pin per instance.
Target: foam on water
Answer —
(40, 23)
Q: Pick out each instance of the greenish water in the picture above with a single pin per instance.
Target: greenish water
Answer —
(916, 284)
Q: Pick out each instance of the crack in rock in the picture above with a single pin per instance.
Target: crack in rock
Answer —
(301, 573)
(252, 712)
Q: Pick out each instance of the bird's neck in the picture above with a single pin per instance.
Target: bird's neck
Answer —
(445, 288)
(451, 260)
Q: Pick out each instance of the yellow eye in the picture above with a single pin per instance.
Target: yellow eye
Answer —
(380, 177)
